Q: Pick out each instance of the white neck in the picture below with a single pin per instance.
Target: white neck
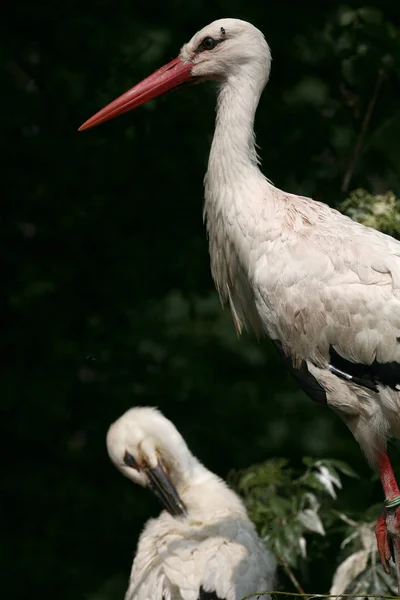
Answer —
(204, 489)
(236, 193)
(233, 154)
(194, 473)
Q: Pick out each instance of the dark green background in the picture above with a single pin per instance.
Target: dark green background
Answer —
(107, 298)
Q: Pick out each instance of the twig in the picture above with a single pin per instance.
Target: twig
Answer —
(290, 574)
(361, 136)
(311, 596)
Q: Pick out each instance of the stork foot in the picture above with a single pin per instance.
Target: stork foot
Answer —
(387, 533)
(383, 541)
(388, 527)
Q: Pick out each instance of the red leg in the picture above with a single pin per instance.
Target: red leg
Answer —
(388, 479)
(389, 522)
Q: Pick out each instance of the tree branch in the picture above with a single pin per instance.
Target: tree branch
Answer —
(363, 131)
(290, 574)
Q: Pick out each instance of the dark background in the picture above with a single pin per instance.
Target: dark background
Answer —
(107, 298)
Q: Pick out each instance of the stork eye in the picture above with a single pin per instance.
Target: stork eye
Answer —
(130, 461)
(208, 43)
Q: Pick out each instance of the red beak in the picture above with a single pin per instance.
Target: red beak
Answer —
(167, 78)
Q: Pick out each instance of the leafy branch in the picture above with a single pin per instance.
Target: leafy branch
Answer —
(290, 506)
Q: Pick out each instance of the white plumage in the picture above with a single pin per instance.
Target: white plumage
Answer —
(207, 549)
(324, 288)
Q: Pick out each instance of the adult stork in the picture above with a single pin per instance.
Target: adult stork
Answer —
(203, 546)
(324, 288)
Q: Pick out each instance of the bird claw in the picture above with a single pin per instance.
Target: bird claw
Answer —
(383, 541)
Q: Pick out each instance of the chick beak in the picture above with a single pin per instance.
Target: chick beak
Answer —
(163, 488)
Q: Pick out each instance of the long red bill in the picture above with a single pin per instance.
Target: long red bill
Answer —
(168, 77)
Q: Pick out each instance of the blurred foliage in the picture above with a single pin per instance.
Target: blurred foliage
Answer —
(381, 211)
(295, 514)
(285, 506)
(107, 297)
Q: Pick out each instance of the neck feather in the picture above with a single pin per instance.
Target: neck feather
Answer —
(233, 151)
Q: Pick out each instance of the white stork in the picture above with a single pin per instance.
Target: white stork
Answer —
(324, 288)
(203, 546)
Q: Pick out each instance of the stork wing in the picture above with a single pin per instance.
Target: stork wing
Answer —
(333, 297)
(185, 562)
(223, 561)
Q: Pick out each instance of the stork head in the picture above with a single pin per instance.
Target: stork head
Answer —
(224, 47)
(148, 449)
(219, 51)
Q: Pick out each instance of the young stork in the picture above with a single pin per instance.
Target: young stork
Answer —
(203, 546)
(324, 288)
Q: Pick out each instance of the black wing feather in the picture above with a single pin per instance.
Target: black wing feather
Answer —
(208, 595)
(367, 376)
(302, 375)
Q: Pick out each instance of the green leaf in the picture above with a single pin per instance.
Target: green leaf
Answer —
(311, 521)
(343, 467)
(346, 16)
(370, 15)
